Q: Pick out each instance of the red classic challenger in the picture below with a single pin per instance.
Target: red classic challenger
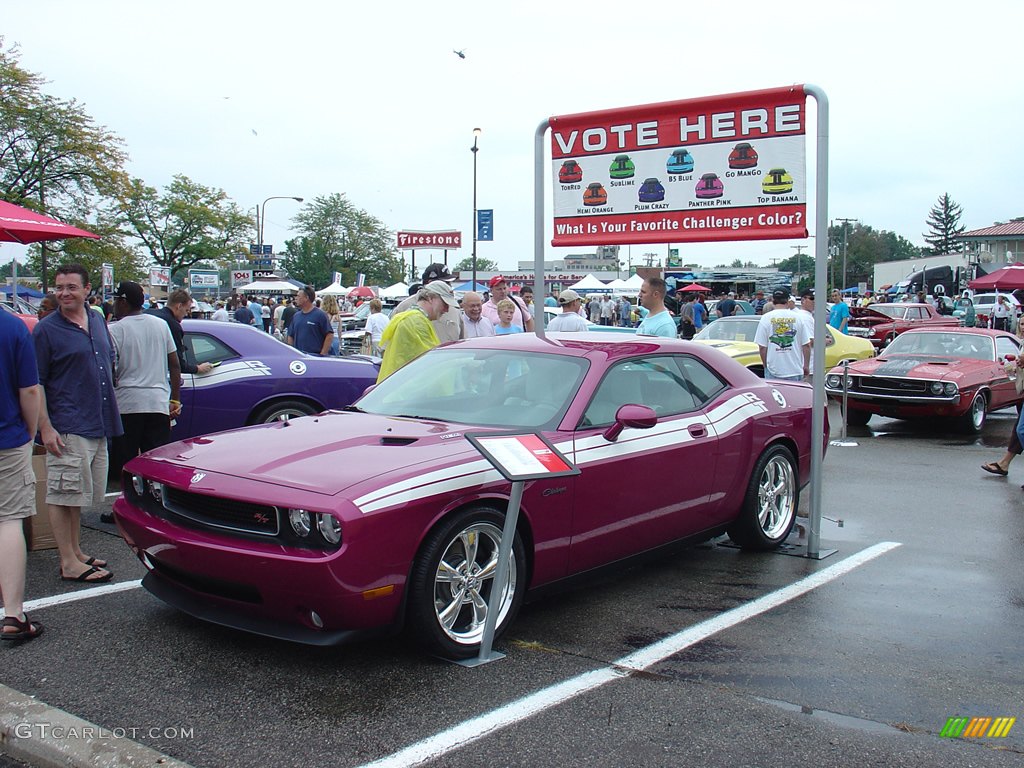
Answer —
(955, 373)
(383, 514)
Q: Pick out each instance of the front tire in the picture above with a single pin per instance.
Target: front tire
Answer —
(770, 505)
(452, 581)
(857, 418)
(972, 421)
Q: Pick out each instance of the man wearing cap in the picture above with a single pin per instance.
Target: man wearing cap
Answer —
(448, 325)
(658, 321)
(147, 376)
(499, 291)
(411, 333)
(77, 415)
(727, 306)
(473, 319)
(310, 330)
(759, 303)
(570, 320)
(783, 341)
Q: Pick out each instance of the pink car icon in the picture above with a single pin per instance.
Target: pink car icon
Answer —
(709, 186)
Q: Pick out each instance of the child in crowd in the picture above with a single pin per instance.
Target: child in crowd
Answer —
(506, 310)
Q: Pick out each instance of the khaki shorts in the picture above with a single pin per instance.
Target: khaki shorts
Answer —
(17, 483)
(78, 478)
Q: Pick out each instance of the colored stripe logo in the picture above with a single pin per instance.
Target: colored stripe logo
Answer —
(977, 727)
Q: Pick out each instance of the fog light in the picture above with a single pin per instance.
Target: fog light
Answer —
(138, 484)
(315, 618)
(300, 520)
(329, 528)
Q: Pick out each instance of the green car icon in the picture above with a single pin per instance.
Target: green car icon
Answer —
(622, 168)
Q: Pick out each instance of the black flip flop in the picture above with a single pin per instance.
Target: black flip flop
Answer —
(994, 468)
(97, 562)
(84, 577)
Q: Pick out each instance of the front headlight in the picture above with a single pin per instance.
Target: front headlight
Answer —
(833, 381)
(300, 522)
(951, 388)
(139, 484)
(157, 489)
(329, 527)
(935, 387)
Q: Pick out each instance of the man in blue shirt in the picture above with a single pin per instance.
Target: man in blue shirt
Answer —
(839, 315)
(243, 314)
(19, 417)
(310, 330)
(78, 413)
(658, 321)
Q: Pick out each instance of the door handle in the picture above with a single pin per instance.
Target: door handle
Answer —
(697, 430)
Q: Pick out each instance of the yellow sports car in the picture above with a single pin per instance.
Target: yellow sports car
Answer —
(735, 337)
(777, 182)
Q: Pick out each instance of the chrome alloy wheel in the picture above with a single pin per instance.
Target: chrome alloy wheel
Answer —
(465, 579)
(776, 496)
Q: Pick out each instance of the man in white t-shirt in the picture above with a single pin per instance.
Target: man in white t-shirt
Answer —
(783, 341)
(570, 320)
(147, 376)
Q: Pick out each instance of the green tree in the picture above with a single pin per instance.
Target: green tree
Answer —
(53, 157)
(335, 236)
(944, 227)
(482, 265)
(187, 224)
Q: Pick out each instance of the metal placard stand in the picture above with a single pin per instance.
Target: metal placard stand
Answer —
(519, 457)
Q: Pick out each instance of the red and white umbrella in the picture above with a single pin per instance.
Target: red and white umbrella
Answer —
(362, 292)
(20, 225)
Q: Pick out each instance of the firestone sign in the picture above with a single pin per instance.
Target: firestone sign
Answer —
(410, 239)
(726, 167)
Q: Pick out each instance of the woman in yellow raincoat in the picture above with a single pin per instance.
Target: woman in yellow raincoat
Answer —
(409, 334)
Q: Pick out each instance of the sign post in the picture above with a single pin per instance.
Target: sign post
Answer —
(519, 457)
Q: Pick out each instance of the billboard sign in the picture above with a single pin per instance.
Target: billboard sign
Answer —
(160, 277)
(240, 277)
(203, 279)
(485, 224)
(728, 167)
(409, 240)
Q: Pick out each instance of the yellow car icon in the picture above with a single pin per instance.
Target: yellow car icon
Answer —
(777, 182)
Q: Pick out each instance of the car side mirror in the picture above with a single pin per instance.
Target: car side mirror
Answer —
(631, 415)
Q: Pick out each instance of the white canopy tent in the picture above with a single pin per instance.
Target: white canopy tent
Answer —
(622, 287)
(590, 284)
(635, 282)
(396, 291)
(334, 289)
(270, 287)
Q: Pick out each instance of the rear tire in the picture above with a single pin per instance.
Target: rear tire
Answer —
(452, 579)
(280, 411)
(770, 505)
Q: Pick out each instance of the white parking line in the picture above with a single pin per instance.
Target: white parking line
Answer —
(84, 594)
(510, 714)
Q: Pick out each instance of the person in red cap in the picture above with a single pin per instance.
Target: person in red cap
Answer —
(499, 291)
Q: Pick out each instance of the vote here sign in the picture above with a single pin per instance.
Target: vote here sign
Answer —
(728, 167)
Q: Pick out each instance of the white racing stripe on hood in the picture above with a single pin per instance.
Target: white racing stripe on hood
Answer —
(719, 421)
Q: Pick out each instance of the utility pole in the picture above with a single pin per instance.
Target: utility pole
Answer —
(799, 272)
(845, 222)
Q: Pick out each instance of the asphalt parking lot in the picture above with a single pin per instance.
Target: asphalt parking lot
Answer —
(697, 658)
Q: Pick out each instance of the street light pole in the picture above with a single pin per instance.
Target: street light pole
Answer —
(474, 149)
(799, 272)
(261, 217)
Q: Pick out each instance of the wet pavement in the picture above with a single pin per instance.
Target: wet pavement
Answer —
(864, 670)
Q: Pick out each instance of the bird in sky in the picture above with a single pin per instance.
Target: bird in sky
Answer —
(461, 54)
(254, 132)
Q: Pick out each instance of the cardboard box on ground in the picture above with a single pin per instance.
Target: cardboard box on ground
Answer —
(38, 533)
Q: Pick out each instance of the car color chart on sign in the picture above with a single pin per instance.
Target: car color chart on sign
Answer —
(728, 167)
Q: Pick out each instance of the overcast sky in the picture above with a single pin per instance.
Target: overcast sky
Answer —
(310, 98)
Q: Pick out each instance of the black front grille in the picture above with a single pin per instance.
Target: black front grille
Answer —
(223, 513)
(883, 386)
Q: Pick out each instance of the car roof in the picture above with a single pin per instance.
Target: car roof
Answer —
(591, 344)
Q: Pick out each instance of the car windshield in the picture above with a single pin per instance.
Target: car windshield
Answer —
(726, 329)
(971, 345)
(488, 387)
(890, 310)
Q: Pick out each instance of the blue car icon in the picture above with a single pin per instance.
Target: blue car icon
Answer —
(652, 191)
(680, 161)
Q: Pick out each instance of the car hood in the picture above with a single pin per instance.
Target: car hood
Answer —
(928, 367)
(324, 454)
(732, 348)
(865, 316)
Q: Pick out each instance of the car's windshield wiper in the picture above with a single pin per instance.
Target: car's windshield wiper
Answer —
(353, 408)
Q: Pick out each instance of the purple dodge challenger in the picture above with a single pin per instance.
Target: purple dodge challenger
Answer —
(383, 514)
(257, 379)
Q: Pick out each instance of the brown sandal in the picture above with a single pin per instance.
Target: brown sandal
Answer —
(23, 630)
